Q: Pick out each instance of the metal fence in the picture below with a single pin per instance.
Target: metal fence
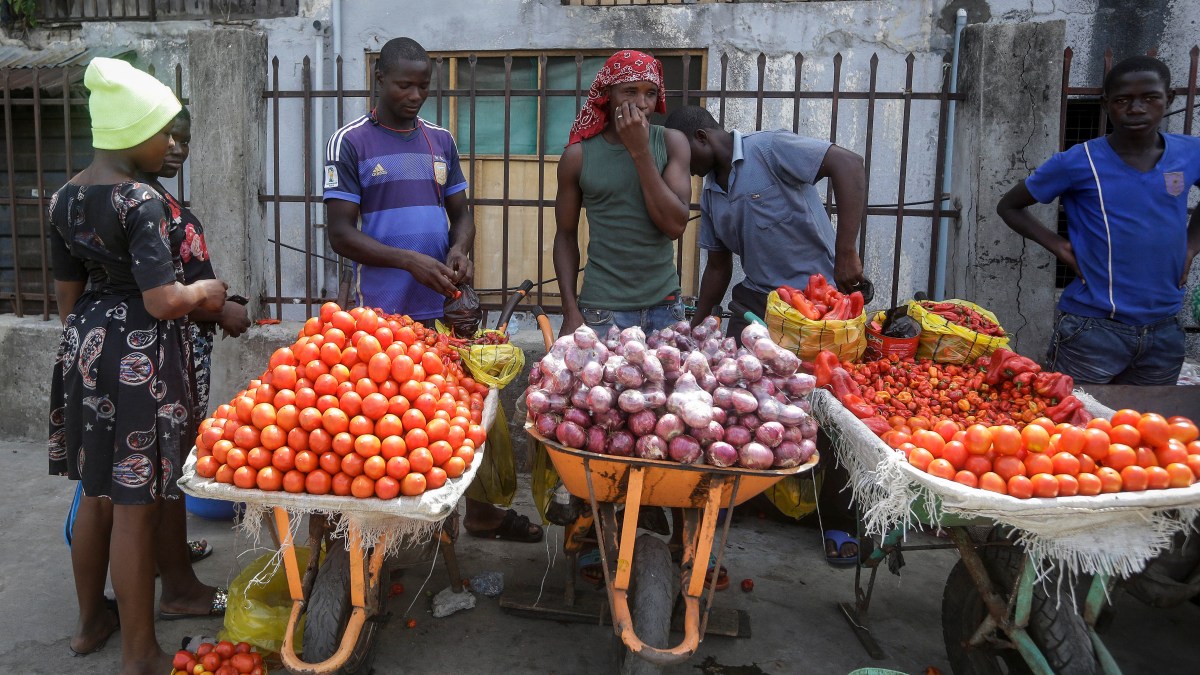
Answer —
(899, 218)
(47, 139)
(81, 11)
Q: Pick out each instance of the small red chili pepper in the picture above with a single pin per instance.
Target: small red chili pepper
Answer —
(747, 585)
(396, 589)
(411, 623)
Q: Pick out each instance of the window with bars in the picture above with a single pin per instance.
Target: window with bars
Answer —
(565, 80)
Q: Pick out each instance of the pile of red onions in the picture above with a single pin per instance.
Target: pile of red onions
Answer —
(683, 393)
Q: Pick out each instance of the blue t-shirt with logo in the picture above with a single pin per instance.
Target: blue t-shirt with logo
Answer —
(400, 182)
(1128, 228)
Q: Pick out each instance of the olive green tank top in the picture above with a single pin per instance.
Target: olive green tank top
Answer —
(631, 264)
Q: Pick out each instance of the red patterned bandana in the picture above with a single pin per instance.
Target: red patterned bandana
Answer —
(622, 67)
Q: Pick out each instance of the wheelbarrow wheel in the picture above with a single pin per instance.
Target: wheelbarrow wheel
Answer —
(328, 611)
(652, 590)
(1055, 625)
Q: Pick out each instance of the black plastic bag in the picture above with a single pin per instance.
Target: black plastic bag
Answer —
(899, 324)
(462, 312)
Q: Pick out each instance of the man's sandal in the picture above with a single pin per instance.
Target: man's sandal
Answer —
(514, 527)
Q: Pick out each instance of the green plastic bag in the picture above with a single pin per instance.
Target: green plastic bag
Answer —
(496, 481)
(258, 609)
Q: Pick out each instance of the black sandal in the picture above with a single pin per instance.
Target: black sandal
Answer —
(514, 527)
(199, 549)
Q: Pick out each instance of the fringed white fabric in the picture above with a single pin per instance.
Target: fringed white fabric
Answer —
(396, 523)
(1114, 534)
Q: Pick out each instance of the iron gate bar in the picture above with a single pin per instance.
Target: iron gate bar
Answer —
(543, 102)
(762, 77)
(870, 141)
(306, 121)
(12, 191)
(939, 169)
(833, 120)
(504, 206)
(275, 183)
(699, 93)
(1190, 103)
(908, 77)
(41, 187)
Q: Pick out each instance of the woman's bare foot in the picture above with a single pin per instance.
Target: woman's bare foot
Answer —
(91, 636)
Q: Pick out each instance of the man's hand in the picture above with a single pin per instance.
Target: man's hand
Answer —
(430, 273)
(234, 320)
(847, 270)
(1066, 253)
(462, 270)
(572, 319)
(633, 128)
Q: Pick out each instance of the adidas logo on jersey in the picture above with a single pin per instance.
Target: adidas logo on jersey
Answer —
(379, 170)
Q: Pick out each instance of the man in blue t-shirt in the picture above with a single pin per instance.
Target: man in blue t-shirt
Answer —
(760, 201)
(1130, 241)
(399, 176)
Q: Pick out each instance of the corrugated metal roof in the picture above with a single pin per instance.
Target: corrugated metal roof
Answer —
(21, 62)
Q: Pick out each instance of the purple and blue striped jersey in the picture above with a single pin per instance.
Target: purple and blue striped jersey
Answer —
(400, 182)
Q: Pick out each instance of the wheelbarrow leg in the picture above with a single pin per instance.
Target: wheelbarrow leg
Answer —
(1097, 598)
(447, 536)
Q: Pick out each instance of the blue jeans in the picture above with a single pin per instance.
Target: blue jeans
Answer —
(650, 318)
(1100, 351)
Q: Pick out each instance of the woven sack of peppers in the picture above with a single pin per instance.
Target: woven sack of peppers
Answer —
(956, 331)
(817, 318)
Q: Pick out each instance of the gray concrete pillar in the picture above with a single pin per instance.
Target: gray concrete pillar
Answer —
(227, 75)
(1008, 124)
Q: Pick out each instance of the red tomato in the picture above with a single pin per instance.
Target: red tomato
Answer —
(1008, 466)
(1020, 487)
(398, 467)
(1180, 474)
(317, 482)
(375, 467)
(341, 484)
(923, 438)
(1120, 456)
(1089, 484)
(245, 477)
(1068, 485)
(180, 660)
(1065, 462)
(1035, 438)
(1125, 434)
(992, 482)
(1039, 463)
(211, 661)
(978, 464)
(362, 487)
(1183, 430)
(413, 484)
(1154, 430)
(435, 478)
(942, 469)
(1110, 480)
(921, 458)
(1095, 443)
(1174, 451)
(1006, 440)
(243, 663)
(1134, 478)
(966, 478)
(1193, 461)
(1044, 485)
(1157, 478)
(955, 453)
(269, 479)
(1145, 457)
(946, 428)
(387, 487)
(455, 466)
(978, 439)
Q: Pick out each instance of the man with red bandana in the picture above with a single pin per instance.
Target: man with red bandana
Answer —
(633, 179)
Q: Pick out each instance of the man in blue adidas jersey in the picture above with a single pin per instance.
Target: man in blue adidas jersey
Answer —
(399, 176)
(1129, 239)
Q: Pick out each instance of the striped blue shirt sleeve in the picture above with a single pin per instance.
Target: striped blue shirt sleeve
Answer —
(341, 170)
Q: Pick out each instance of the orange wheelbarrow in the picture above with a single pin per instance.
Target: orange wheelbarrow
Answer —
(639, 574)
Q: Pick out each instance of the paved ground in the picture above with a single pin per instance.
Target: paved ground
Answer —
(796, 625)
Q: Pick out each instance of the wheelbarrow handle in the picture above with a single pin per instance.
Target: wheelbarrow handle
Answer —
(736, 308)
(510, 305)
(543, 323)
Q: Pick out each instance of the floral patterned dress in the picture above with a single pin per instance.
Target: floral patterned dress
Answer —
(121, 397)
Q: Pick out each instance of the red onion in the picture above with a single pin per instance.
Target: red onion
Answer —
(600, 399)
(651, 447)
(769, 409)
(787, 454)
(743, 401)
(635, 352)
(808, 448)
(751, 421)
(535, 375)
(713, 432)
(754, 332)
(723, 397)
(585, 337)
(631, 401)
(633, 334)
(610, 419)
(799, 384)
(669, 357)
(719, 415)
(727, 371)
(575, 358)
(546, 425)
(682, 328)
(701, 332)
(571, 435)
(738, 435)
(592, 373)
(696, 413)
(684, 449)
(537, 401)
(620, 443)
(769, 434)
(808, 427)
(642, 423)
(792, 415)
(579, 397)
(792, 433)
(721, 454)
(629, 376)
(755, 456)
(751, 367)
(652, 367)
(578, 416)
(654, 395)
(669, 426)
(597, 440)
(558, 402)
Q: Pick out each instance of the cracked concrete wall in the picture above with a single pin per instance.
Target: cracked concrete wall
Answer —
(1008, 125)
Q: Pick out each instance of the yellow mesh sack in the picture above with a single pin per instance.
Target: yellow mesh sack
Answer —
(947, 342)
(493, 365)
(793, 331)
(543, 479)
(496, 480)
(796, 496)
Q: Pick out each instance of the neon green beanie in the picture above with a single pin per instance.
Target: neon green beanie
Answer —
(127, 105)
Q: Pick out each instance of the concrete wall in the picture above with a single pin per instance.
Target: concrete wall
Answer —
(1009, 125)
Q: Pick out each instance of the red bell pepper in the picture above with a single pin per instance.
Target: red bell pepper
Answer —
(1064, 410)
(784, 294)
(825, 363)
(996, 365)
(1080, 417)
(1055, 386)
(805, 307)
(856, 304)
(1017, 364)
(817, 287)
(877, 425)
(859, 407)
(842, 383)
